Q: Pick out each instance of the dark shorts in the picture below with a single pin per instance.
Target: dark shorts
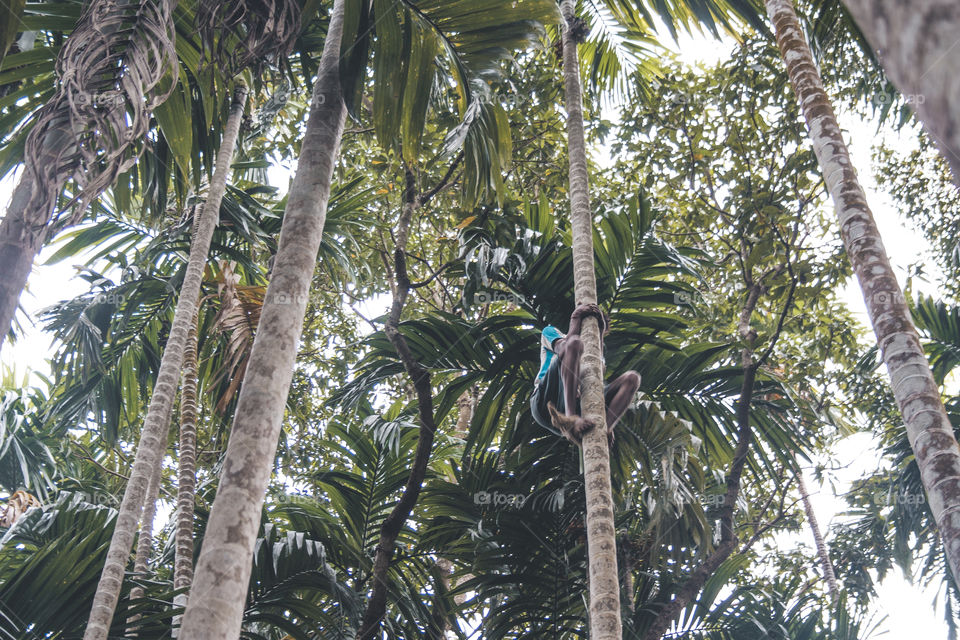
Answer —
(550, 389)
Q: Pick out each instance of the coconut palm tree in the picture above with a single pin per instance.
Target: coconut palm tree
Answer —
(605, 621)
(914, 387)
(824, 556)
(916, 42)
(153, 439)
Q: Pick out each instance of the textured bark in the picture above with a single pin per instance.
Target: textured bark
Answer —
(23, 229)
(916, 42)
(822, 554)
(141, 560)
(187, 474)
(91, 129)
(218, 594)
(916, 392)
(156, 423)
(420, 377)
(604, 589)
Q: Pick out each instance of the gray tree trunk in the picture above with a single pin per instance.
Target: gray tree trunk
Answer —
(215, 607)
(916, 42)
(157, 421)
(187, 474)
(141, 560)
(604, 588)
(917, 395)
(822, 553)
(23, 229)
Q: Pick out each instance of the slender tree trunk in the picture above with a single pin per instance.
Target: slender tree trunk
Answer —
(822, 554)
(156, 423)
(604, 589)
(218, 594)
(23, 229)
(187, 475)
(916, 42)
(928, 428)
(141, 560)
(464, 416)
(77, 139)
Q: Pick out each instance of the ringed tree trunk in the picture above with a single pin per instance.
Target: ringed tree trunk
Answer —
(916, 392)
(153, 439)
(141, 560)
(605, 623)
(822, 553)
(916, 43)
(187, 474)
(218, 594)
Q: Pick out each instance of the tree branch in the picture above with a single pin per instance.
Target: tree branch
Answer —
(392, 525)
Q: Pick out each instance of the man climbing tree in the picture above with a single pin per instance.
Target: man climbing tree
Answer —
(555, 402)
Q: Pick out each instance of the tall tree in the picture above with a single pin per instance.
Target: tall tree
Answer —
(217, 597)
(109, 75)
(916, 43)
(822, 554)
(141, 559)
(155, 424)
(187, 472)
(601, 532)
(914, 387)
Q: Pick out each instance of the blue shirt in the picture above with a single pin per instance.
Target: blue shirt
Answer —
(547, 337)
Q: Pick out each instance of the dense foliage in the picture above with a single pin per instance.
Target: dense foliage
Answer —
(709, 206)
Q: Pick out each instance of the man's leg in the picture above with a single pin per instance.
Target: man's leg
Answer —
(618, 396)
(569, 350)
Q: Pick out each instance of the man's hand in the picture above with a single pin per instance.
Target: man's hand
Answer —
(584, 310)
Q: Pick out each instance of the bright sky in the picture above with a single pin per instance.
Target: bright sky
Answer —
(908, 608)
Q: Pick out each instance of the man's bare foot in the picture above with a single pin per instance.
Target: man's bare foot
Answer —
(610, 437)
(572, 427)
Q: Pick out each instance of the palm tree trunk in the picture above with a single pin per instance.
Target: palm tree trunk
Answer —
(928, 428)
(217, 598)
(601, 534)
(822, 554)
(156, 423)
(916, 43)
(114, 46)
(141, 559)
(187, 475)
(23, 229)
